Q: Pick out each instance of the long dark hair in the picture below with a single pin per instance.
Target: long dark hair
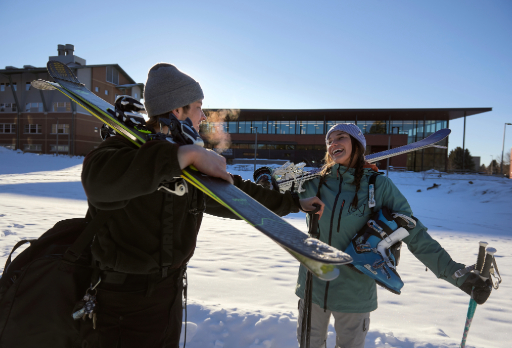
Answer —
(356, 161)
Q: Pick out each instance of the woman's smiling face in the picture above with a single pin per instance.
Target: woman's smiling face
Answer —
(339, 147)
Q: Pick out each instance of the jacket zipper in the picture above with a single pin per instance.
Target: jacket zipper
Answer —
(330, 231)
(339, 217)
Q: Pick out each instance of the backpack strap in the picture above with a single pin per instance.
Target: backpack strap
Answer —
(75, 251)
(371, 191)
(20, 243)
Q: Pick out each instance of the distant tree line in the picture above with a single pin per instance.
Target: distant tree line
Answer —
(494, 167)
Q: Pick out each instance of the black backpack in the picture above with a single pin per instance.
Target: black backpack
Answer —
(41, 286)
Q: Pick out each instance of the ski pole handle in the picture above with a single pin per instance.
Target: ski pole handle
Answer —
(488, 263)
(313, 224)
(481, 257)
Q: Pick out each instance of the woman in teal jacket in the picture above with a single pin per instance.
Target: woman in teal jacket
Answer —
(352, 296)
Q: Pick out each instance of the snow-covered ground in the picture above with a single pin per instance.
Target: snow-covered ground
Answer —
(241, 284)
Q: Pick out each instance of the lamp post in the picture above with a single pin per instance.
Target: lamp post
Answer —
(503, 147)
(255, 147)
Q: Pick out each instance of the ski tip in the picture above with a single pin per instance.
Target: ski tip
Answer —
(42, 85)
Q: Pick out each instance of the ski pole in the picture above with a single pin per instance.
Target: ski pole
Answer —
(483, 270)
(308, 290)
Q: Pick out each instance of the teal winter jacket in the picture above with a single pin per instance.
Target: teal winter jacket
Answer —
(352, 292)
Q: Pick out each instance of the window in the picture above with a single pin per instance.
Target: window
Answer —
(5, 107)
(14, 86)
(2, 87)
(232, 127)
(135, 95)
(261, 126)
(281, 127)
(376, 127)
(310, 127)
(244, 127)
(27, 86)
(112, 75)
(32, 147)
(33, 129)
(60, 128)
(61, 106)
(8, 146)
(34, 107)
(96, 89)
(106, 92)
(7, 128)
(60, 148)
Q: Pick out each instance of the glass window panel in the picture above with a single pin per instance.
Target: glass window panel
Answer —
(27, 86)
(258, 124)
(362, 126)
(376, 127)
(271, 127)
(232, 127)
(408, 128)
(241, 127)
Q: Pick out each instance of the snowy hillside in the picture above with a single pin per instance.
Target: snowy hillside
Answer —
(241, 285)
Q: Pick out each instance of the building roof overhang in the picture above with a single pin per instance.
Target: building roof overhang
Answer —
(359, 114)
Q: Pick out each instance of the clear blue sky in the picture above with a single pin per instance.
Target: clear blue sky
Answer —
(295, 54)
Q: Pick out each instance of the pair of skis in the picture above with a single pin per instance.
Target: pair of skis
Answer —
(320, 258)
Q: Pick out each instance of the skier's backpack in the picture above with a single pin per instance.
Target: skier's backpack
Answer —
(41, 286)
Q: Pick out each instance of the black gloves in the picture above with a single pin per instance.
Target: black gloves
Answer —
(482, 289)
(263, 177)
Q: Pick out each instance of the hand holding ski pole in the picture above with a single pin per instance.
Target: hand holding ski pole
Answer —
(478, 284)
(312, 203)
(206, 161)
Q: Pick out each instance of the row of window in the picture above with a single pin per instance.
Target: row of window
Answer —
(39, 147)
(6, 86)
(410, 128)
(279, 147)
(10, 128)
(36, 107)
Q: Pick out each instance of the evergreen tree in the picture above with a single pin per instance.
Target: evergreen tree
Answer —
(455, 159)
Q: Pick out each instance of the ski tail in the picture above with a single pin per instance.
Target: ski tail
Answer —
(429, 141)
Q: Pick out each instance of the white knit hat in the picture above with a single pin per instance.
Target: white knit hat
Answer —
(349, 128)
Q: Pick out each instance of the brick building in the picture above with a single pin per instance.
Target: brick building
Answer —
(47, 121)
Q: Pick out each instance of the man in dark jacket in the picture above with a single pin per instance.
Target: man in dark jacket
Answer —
(143, 249)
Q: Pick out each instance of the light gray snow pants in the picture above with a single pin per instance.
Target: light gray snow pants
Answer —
(351, 328)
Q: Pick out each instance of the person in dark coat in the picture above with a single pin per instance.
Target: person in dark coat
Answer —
(143, 249)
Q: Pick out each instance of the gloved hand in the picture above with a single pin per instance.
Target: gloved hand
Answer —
(482, 289)
(263, 177)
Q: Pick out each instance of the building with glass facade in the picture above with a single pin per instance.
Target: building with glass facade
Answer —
(299, 135)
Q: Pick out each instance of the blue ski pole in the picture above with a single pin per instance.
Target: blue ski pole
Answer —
(483, 269)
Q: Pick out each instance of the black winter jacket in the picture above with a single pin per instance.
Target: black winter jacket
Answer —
(122, 177)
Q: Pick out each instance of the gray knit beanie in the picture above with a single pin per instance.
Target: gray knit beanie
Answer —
(349, 128)
(167, 89)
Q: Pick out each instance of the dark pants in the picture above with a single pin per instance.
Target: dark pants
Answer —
(127, 318)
